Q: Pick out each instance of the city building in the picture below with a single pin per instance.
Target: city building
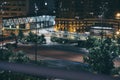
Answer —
(70, 14)
(14, 12)
(27, 24)
(80, 16)
(65, 8)
(84, 8)
(81, 9)
(91, 26)
(74, 8)
(12, 8)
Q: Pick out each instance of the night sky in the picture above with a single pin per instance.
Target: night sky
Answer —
(113, 7)
(43, 9)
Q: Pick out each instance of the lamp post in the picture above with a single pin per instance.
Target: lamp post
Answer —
(103, 10)
(36, 45)
(2, 36)
(117, 16)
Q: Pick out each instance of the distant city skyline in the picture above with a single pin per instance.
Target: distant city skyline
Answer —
(74, 8)
(71, 8)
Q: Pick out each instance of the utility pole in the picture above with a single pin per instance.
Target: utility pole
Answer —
(36, 44)
(103, 10)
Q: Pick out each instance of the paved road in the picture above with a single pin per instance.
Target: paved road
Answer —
(65, 52)
(32, 69)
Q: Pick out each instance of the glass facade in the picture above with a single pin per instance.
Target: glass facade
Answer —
(28, 23)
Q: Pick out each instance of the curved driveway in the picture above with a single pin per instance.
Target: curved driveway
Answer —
(65, 52)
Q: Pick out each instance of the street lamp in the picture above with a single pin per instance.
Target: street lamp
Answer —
(2, 36)
(45, 3)
(117, 32)
(16, 40)
(36, 9)
(103, 11)
(117, 16)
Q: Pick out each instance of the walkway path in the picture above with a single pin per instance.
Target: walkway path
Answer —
(53, 73)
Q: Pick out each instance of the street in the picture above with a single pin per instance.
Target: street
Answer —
(32, 69)
(65, 52)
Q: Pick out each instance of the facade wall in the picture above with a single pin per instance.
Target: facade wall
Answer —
(85, 8)
(27, 24)
(10, 8)
(74, 8)
(85, 25)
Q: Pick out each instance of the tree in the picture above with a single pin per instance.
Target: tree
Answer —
(19, 57)
(12, 35)
(118, 39)
(108, 40)
(20, 34)
(41, 39)
(91, 42)
(5, 54)
(100, 57)
(32, 37)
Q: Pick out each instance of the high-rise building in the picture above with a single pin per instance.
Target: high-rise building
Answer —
(74, 8)
(85, 8)
(65, 8)
(10, 8)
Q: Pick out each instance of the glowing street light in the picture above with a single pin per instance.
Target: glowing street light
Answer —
(117, 32)
(45, 3)
(117, 16)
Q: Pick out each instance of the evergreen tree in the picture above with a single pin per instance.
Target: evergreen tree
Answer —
(41, 39)
(100, 57)
(12, 35)
(5, 54)
(91, 42)
(20, 34)
(19, 57)
(32, 37)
